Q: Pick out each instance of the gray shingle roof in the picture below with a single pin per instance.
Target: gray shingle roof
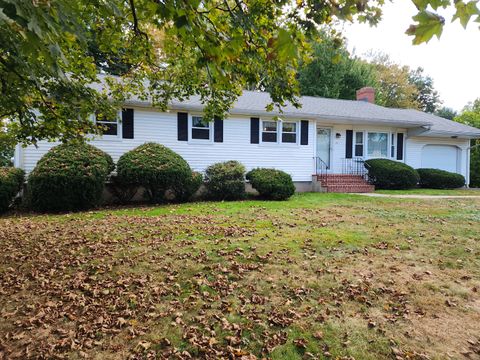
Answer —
(440, 125)
(253, 103)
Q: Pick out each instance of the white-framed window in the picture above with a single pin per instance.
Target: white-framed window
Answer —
(110, 126)
(358, 144)
(393, 145)
(279, 131)
(200, 129)
(289, 132)
(269, 131)
(377, 144)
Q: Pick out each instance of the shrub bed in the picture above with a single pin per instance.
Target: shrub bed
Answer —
(225, 181)
(271, 184)
(11, 181)
(69, 177)
(389, 174)
(440, 179)
(158, 170)
(185, 191)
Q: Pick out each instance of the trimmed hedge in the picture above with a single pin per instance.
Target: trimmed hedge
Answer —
(185, 191)
(271, 184)
(225, 181)
(11, 181)
(440, 179)
(158, 170)
(389, 174)
(69, 177)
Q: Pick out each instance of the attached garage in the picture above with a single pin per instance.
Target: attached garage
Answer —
(443, 157)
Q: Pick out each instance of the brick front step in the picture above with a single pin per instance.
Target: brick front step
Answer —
(365, 188)
(345, 183)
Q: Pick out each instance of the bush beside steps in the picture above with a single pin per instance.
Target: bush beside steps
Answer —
(440, 179)
(11, 181)
(391, 175)
(271, 183)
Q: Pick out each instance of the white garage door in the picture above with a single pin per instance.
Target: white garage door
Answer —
(443, 157)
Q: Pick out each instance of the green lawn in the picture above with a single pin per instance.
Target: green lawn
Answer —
(322, 276)
(462, 192)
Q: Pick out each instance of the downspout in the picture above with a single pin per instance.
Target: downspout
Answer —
(467, 180)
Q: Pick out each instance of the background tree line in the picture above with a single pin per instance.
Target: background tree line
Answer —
(334, 72)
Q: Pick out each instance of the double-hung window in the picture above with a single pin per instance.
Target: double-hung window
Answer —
(109, 126)
(200, 129)
(269, 131)
(358, 144)
(279, 131)
(289, 132)
(377, 145)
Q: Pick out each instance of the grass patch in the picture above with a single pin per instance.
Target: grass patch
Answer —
(320, 276)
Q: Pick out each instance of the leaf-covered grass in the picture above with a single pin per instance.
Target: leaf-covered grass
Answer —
(320, 276)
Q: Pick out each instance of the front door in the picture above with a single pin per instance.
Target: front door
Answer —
(323, 145)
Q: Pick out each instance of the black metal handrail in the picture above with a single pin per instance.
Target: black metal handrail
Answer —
(352, 166)
(355, 166)
(321, 167)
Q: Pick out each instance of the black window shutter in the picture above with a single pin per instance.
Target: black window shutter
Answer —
(349, 144)
(399, 146)
(254, 130)
(218, 130)
(127, 123)
(304, 132)
(182, 126)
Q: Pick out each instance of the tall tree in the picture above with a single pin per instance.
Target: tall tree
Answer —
(212, 48)
(446, 113)
(470, 115)
(394, 88)
(333, 72)
(427, 97)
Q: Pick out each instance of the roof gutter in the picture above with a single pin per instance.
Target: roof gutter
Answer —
(455, 134)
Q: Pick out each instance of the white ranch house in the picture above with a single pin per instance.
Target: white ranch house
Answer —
(324, 136)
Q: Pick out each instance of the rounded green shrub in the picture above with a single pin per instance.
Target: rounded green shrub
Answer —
(440, 179)
(69, 177)
(225, 181)
(11, 181)
(389, 174)
(157, 169)
(185, 191)
(271, 184)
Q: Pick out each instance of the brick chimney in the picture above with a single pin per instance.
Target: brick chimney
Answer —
(366, 94)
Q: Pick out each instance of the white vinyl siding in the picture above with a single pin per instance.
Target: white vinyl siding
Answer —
(297, 160)
(154, 126)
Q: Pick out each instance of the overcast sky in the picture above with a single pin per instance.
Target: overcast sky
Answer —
(453, 61)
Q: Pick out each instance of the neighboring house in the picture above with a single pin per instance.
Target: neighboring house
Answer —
(324, 136)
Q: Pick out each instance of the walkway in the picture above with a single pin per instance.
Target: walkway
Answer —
(415, 196)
